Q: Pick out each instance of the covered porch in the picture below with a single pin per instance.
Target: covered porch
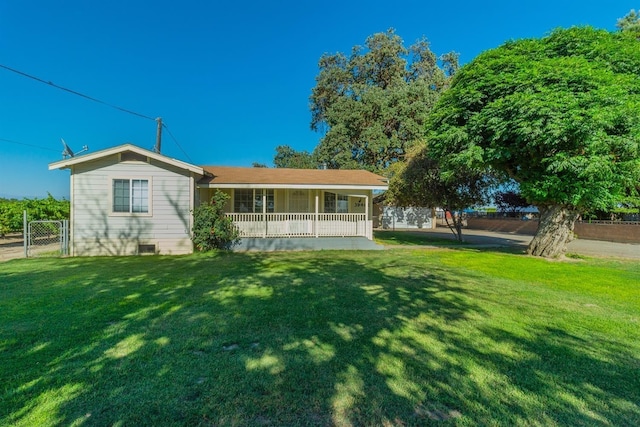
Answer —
(296, 203)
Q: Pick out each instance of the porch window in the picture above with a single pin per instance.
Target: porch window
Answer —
(336, 203)
(299, 201)
(250, 200)
(130, 196)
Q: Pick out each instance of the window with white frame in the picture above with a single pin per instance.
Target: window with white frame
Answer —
(250, 200)
(299, 201)
(130, 196)
(336, 203)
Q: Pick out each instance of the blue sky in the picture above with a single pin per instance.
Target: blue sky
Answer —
(231, 80)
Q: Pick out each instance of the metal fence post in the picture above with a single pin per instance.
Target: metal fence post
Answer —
(24, 232)
(65, 225)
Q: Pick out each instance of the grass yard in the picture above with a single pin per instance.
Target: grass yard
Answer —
(412, 238)
(398, 337)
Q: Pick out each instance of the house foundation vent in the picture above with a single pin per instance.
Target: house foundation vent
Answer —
(130, 156)
(146, 249)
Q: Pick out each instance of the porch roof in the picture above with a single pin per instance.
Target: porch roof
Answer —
(239, 177)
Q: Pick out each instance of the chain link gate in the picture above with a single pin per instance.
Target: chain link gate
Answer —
(47, 238)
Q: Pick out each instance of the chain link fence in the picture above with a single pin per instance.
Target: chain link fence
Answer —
(47, 238)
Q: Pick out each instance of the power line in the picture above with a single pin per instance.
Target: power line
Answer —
(91, 99)
(75, 92)
(28, 145)
(176, 142)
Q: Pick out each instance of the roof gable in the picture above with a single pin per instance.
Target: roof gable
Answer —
(67, 163)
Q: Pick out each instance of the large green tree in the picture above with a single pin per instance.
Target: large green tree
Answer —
(559, 115)
(630, 23)
(287, 157)
(373, 104)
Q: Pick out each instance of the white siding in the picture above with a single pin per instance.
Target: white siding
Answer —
(96, 231)
(409, 217)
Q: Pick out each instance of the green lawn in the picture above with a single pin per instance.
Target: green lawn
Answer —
(400, 337)
(412, 238)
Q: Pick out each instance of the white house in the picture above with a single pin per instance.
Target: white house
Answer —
(127, 200)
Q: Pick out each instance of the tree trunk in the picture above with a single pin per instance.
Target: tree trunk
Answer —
(455, 225)
(554, 232)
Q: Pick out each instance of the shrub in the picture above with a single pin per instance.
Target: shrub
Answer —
(212, 229)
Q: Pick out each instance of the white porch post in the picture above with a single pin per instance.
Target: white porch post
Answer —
(264, 212)
(368, 223)
(316, 225)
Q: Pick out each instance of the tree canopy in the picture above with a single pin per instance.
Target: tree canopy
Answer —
(421, 181)
(559, 115)
(630, 22)
(287, 157)
(374, 103)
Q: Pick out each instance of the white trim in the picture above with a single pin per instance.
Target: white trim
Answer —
(192, 204)
(66, 163)
(72, 209)
(346, 187)
(369, 223)
(149, 179)
(317, 211)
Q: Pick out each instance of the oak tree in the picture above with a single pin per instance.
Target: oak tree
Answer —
(287, 157)
(630, 22)
(373, 104)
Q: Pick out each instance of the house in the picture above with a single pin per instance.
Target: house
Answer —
(398, 217)
(127, 200)
(403, 217)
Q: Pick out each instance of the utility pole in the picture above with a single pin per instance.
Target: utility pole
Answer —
(158, 136)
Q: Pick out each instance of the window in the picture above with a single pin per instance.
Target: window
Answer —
(258, 200)
(343, 203)
(243, 201)
(248, 200)
(131, 195)
(329, 203)
(336, 203)
(299, 201)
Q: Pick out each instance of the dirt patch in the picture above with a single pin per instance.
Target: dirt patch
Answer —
(11, 247)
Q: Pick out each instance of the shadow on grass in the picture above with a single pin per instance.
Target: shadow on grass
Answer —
(444, 238)
(330, 338)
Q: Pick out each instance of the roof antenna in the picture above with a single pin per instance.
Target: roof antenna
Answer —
(68, 152)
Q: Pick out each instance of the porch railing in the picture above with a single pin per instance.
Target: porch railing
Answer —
(302, 224)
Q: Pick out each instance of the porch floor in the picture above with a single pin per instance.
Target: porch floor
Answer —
(305, 244)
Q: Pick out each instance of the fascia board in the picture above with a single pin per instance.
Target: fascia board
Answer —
(66, 163)
(297, 186)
